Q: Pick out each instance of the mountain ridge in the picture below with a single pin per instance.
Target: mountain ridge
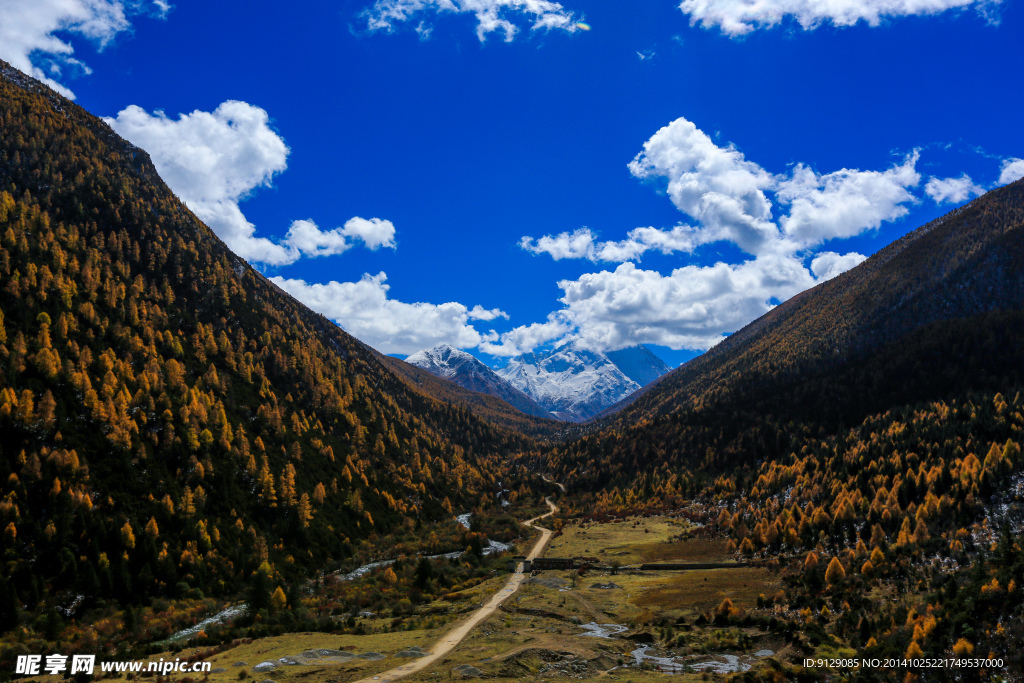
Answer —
(578, 384)
(463, 369)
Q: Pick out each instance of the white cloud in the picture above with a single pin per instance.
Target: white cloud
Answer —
(715, 185)
(565, 245)
(491, 15)
(738, 17)
(214, 160)
(828, 264)
(1012, 169)
(844, 203)
(29, 32)
(952, 190)
(679, 238)
(731, 199)
(526, 338)
(374, 233)
(306, 238)
(583, 244)
(364, 310)
(690, 308)
(481, 313)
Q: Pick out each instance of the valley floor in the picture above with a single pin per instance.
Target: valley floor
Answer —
(553, 624)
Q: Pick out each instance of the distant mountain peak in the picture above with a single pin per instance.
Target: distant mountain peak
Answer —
(443, 360)
(576, 384)
(447, 362)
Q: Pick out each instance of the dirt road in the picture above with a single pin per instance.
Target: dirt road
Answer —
(456, 635)
(556, 483)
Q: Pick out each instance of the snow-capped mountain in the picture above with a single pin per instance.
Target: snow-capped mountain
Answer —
(463, 369)
(576, 385)
(638, 364)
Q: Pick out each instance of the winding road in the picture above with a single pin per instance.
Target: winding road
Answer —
(451, 639)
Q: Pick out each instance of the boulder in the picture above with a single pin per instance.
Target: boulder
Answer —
(467, 671)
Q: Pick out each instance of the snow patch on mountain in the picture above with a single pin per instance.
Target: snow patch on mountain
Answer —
(442, 360)
(577, 384)
(465, 370)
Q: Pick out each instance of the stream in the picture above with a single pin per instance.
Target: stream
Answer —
(596, 630)
(712, 663)
(219, 618)
(357, 573)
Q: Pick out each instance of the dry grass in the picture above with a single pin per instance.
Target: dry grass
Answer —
(272, 649)
(690, 550)
(700, 591)
(505, 635)
(630, 542)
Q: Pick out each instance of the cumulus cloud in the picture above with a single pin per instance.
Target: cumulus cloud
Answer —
(829, 264)
(690, 308)
(526, 338)
(715, 185)
(30, 32)
(844, 203)
(481, 313)
(374, 233)
(364, 310)
(694, 307)
(731, 199)
(566, 245)
(739, 17)
(214, 160)
(583, 244)
(307, 239)
(1012, 169)
(491, 15)
(728, 194)
(952, 190)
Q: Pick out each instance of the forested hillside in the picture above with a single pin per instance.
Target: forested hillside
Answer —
(169, 419)
(936, 315)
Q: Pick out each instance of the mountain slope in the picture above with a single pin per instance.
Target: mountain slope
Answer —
(938, 313)
(963, 264)
(170, 419)
(576, 384)
(638, 364)
(457, 366)
(485, 406)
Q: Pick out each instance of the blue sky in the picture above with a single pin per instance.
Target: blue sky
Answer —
(420, 185)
